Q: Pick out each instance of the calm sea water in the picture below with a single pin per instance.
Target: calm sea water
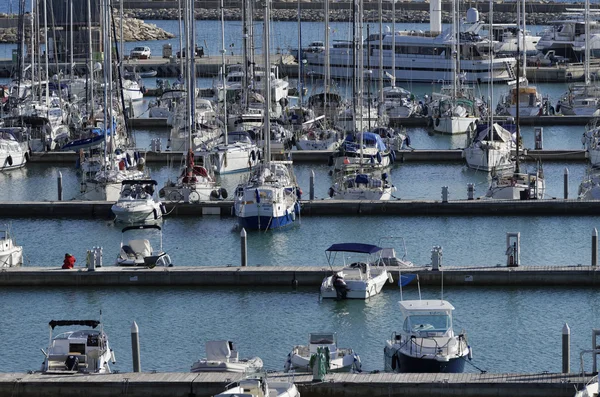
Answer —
(510, 329)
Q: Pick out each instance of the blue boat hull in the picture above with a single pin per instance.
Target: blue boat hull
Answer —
(265, 222)
(406, 363)
(85, 143)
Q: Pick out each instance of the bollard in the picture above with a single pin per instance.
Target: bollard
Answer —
(539, 138)
(470, 191)
(566, 349)
(135, 347)
(244, 247)
(90, 259)
(312, 185)
(595, 247)
(566, 183)
(60, 190)
(436, 257)
(444, 194)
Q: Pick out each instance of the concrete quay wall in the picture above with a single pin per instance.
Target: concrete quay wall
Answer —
(336, 385)
(288, 276)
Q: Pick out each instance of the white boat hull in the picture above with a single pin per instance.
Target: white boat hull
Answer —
(344, 363)
(488, 159)
(11, 257)
(246, 366)
(12, 159)
(454, 125)
(136, 212)
(235, 158)
(358, 289)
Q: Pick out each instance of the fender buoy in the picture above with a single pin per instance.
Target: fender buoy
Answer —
(392, 156)
(223, 193)
(330, 161)
(437, 122)
(135, 156)
(9, 160)
(557, 107)
(331, 191)
(214, 195)
(379, 159)
(155, 213)
(163, 209)
(27, 155)
(425, 110)
(128, 158)
(258, 155)
(253, 155)
(395, 362)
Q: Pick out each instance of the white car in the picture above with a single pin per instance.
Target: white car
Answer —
(140, 53)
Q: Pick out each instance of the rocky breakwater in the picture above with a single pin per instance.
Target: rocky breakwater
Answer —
(133, 30)
(343, 15)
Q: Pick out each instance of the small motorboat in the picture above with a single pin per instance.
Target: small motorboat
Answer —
(222, 356)
(137, 202)
(85, 350)
(11, 255)
(590, 389)
(426, 342)
(340, 359)
(140, 253)
(260, 386)
(357, 280)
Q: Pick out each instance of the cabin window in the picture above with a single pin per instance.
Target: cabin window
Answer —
(427, 323)
(78, 348)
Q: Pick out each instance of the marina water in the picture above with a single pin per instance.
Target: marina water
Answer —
(509, 329)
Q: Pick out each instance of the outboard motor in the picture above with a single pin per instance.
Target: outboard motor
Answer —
(72, 363)
(341, 288)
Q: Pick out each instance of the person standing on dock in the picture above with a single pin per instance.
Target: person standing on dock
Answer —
(69, 261)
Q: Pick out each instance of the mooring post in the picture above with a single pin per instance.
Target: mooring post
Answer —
(59, 183)
(470, 191)
(135, 347)
(566, 183)
(444, 194)
(566, 349)
(312, 185)
(244, 247)
(595, 247)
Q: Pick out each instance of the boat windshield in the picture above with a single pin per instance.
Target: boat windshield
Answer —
(322, 339)
(426, 323)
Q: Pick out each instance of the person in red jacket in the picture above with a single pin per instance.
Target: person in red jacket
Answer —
(69, 261)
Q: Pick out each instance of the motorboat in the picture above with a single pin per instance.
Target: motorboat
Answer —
(589, 188)
(426, 342)
(490, 149)
(11, 255)
(356, 280)
(518, 186)
(566, 36)
(373, 151)
(222, 356)
(260, 386)
(84, 350)
(269, 198)
(137, 202)
(355, 182)
(139, 252)
(301, 357)
(13, 153)
(590, 389)
(388, 255)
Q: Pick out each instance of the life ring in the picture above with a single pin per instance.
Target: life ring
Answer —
(9, 160)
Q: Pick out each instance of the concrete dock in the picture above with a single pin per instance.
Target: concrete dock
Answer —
(322, 156)
(483, 207)
(286, 276)
(335, 385)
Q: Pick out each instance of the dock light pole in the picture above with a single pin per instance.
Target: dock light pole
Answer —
(60, 186)
(566, 349)
(312, 185)
(135, 347)
(244, 247)
(566, 183)
(595, 247)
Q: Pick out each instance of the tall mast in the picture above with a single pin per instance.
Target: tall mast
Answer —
(393, 43)
(518, 118)
(354, 62)
(267, 79)
(455, 56)
(90, 82)
(327, 66)
(71, 39)
(181, 61)
(299, 56)
(361, 80)
(105, 70)
(122, 39)
(491, 69)
(586, 63)
(523, 19)
(47, 48)
(245, 53)
(380, 52)
(223, 70)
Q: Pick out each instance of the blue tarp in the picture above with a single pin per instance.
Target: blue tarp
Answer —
(369, 139)
(406, 279)
(354, 247)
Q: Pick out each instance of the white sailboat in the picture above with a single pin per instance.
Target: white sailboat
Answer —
(222, 356)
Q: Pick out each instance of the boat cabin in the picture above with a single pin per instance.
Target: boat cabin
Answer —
(426, 318)
(323, 339)
(221, 350)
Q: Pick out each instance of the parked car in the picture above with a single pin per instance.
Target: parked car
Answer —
(140, 53)
(199, 52)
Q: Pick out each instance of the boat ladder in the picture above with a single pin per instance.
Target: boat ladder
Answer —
(510, 71)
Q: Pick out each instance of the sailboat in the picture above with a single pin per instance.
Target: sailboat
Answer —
(269, 199)
(490, 149)
(455, 109)
(237, 152)
(518, 185)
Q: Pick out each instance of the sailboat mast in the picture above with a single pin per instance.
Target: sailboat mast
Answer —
(245, 52)
(586, 64)
(71, 38)
(393, 43)
(47, 48)
(491, 69)
(455, 59)
(380, 53)
(524, 20)
(361, 80)
(223, 70)
(354, 62)
(267, 79)
(105, 71)
(90, 82)
(517, 95)
(181, 62)
(327, 66)
(299, 56)
(191, 54)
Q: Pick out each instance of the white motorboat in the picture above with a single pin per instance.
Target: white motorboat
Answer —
(139, 252)
(340, 359)
(490, 149)
(13, 153)
(260, 386)
(361, 183)
(11, 255)
(566, 37)
(138, 203)
(590, 390)
(426, 342)
(518, 186)
(85, 350)
(356, 280)
(222, 356)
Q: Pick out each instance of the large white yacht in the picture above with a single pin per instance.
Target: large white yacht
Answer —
(420, 56)
(566, 37)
